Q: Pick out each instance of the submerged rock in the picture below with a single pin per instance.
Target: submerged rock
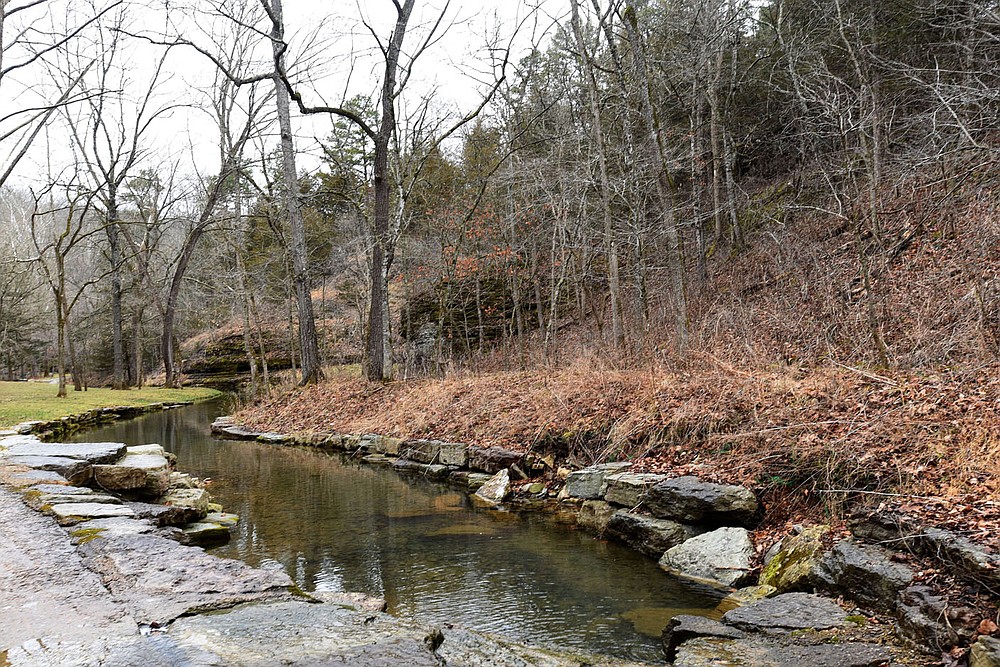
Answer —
(721, 556)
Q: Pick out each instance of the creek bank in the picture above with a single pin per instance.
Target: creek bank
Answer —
(697, 530)
(64, 427)
(99, 577)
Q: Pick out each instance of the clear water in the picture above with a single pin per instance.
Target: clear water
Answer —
(337, 525)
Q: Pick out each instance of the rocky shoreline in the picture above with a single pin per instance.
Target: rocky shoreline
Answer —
(699, 530)
(97, 576)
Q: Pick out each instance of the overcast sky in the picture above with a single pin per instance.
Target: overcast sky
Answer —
(334, 53)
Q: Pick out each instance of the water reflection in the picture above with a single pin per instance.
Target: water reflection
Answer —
(334, 524)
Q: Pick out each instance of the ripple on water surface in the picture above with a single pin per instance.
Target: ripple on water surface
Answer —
(336, 525)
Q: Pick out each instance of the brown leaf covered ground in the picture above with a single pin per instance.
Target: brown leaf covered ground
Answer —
(811, 437)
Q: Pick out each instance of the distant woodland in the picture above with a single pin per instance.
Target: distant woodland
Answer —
(766, 182)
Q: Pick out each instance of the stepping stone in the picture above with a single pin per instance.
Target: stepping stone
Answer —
(92, 452)
(68, 514)
(74, 470)
(203, 534)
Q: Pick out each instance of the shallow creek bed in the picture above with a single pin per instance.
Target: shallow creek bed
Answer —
(156, 596)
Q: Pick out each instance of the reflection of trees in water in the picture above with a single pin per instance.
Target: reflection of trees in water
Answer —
(336, 524)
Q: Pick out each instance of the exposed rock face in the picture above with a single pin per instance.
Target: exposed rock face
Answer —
(931, 620)
(721, 556)
(985, 653)
(791, 568)
(453, 454)
(646, 534)
(864, 574)
(786, 613)
(594, 515)
(628, 489)
(690, 500)
(588, 483)
(496, 490)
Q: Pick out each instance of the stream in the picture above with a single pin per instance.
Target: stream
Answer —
(338, 525)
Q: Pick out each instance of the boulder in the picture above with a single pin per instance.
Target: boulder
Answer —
(790, 569)
(119, 478)
(985, 653)
(588, 483)
(720, 557)
(864, 574)
(388, 446)
(691, 500)
(931, 620)
(496, 490)
(493, 459)
(686, 627)
(627, 489)
(594, 515)
(166, 515)
(646, 534)
(787, 613)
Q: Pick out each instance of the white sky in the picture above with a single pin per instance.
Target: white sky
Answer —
(330, 37)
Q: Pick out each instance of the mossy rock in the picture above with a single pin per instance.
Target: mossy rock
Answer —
(790, 568)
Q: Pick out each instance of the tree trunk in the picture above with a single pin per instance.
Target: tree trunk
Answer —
(597, 130)
(378, 362)
(665, 188)
(308, 343)
(115, 251)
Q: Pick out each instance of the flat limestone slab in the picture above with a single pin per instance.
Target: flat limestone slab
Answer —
(92, 452)
(74, 470)
(70, 513)
(160, 580)
(308, 634)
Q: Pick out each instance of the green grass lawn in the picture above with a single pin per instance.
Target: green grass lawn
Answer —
(29, 401)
